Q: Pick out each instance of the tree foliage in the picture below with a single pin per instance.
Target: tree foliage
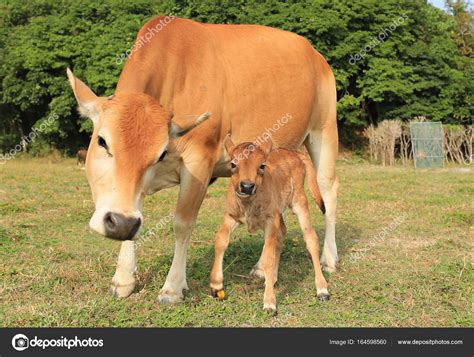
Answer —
(422, 67)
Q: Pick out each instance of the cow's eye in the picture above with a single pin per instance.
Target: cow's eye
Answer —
(162, 156)
(101, 141)
(262, 167)
(233, 165)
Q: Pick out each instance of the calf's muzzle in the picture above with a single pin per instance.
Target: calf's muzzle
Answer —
(247, 187)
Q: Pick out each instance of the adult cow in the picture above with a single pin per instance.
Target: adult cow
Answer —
(248, 77)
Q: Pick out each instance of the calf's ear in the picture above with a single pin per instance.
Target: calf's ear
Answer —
(88, 102)
(229, 145)
(267, 146)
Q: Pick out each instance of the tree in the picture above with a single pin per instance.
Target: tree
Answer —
(391, 58)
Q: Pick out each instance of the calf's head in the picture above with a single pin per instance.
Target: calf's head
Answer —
(247, 165)
(131, 135)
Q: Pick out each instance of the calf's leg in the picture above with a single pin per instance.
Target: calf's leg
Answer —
(301, 209)
(220, 246)
(257, 269)
(269, 262)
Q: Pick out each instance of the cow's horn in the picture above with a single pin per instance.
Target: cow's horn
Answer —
(177, 131)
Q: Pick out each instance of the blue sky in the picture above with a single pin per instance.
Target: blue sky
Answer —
(440, 4)
(437, 3)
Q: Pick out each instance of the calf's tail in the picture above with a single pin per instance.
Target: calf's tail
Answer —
(312, 180)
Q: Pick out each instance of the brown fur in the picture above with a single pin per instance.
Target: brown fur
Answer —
(252, 75)
(278, 187)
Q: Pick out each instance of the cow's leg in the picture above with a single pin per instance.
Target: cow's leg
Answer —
(220, 246)
(322, 144)
(193, 186)
(301, 209)
(123, 281)
(323, 147)
(269, 262)
(257, 270)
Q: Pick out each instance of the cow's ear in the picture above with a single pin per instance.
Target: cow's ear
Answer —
(229, 144)
(88, 102)
(267, 146)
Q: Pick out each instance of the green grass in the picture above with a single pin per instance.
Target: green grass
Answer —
(55, 272)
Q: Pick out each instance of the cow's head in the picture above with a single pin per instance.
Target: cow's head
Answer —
(247, 165)
(131, 135)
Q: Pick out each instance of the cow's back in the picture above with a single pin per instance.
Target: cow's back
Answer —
(254, 79)
(270, 82)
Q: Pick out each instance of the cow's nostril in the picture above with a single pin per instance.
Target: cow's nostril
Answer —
(110, 221)
(135, 228)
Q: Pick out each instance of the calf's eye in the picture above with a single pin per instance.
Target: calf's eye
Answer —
(233, 165)
(262, 167)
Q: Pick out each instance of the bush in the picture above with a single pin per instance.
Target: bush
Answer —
(392, 136)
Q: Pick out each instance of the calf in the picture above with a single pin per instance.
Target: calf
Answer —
(81, 156)
(264, 184)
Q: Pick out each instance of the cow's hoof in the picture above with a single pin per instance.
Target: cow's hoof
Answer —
(218, 294)
(270, 309)
(328, 263)
(328, 268)
(168, 297)
(257, 272)
(121, 291)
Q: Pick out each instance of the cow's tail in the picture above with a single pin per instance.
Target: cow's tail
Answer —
(312, 180)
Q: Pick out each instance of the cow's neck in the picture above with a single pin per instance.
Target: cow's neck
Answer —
(149, 77)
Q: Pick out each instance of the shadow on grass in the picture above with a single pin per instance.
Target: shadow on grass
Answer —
(242, 254)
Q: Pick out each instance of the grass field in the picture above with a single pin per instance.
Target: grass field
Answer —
(55, 272)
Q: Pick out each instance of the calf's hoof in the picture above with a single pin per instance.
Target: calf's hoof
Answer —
(218, 294)
(270, 309)
(121, 291)
(166, 297)
(323, 294)
(323, 297)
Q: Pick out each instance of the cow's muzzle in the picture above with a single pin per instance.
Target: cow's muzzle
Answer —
(119, 227)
